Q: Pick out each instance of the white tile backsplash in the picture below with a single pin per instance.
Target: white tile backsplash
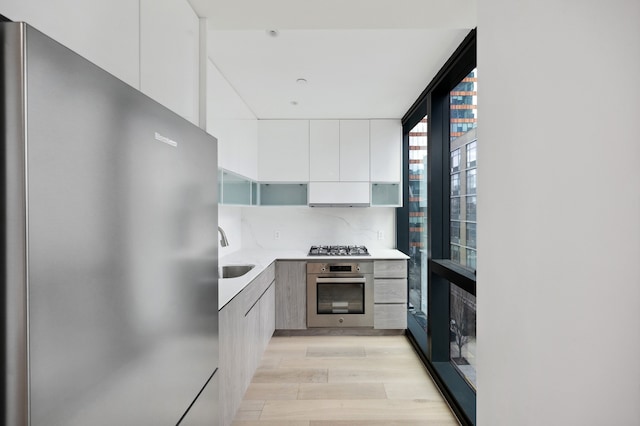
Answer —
(300, 227)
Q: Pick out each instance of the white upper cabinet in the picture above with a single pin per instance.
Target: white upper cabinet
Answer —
(354, 150)
(386, 150)
(339, 194)
(324, 150)
(283, 150)
(170, 55)
(104, 32)
(232, 122)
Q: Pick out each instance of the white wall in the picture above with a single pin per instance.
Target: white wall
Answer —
(559, 213)
(230, 220)
(300, 227)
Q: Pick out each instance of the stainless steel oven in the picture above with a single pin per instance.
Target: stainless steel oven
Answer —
(340, 294)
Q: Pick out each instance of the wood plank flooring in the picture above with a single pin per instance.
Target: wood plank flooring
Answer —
(342, 381)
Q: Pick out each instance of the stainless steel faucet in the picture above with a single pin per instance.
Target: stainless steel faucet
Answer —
(223, 237)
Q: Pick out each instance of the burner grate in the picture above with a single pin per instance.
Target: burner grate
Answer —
(342, 250)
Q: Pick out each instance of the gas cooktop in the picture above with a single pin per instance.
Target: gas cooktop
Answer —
(338, 251)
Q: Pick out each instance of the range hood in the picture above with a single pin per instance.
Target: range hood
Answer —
(339, 194)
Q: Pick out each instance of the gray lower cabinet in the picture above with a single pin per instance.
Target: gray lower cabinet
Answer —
(247, 323)
(390, 294)
(268, 315)
(291, 295)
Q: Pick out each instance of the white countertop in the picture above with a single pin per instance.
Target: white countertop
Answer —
(262, 258)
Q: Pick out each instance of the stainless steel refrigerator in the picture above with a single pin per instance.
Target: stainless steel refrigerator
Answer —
(109, 297)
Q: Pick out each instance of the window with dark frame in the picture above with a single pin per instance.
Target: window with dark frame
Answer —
(447, 340)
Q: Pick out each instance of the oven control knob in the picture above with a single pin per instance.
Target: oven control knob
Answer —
(341, 320)
(323, 270)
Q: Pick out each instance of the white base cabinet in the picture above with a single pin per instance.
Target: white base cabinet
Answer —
(390, 294)
(247, 323)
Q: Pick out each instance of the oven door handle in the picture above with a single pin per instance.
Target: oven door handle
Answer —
(356, 280)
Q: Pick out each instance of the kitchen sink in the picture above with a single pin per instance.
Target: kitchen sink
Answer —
(234, 271)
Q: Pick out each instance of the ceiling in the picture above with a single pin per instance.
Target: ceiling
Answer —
(360, 58)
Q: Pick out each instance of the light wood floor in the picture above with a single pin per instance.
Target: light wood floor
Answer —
(342, 380)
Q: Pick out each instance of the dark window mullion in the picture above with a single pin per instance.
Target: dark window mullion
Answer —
(454, 273)
(438, 219)
(402, 212)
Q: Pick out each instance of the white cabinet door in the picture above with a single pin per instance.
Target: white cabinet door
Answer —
(104, 32)
(170, 55)
(386, 150)
(339, 193)
(237, 145)
(230, 120)
(283, 150)
(324, 150)
(354, 150)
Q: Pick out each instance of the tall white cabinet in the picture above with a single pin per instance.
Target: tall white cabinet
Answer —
(354, 150)
(104, 32)
(283, 150)
(151, 45)
(324, 150)
(170, 55)
(386, 150)
(339, 162)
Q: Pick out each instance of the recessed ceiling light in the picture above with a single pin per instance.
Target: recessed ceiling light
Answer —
(273, 33)
(301, 81)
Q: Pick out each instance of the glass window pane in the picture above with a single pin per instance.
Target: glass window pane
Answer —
(455, 208)
(417, 223)
(455, 253)
(471, 181)
(455, 160)
(470, 209)
(455, 184)
(463, 145)
(455, 231)
(462, 333)
(471, 154)
(471, 258)
(471, 234)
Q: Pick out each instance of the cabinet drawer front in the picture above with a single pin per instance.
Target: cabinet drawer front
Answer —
(390, 290)
(390, 269)
(390, 317)
(252, 292)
